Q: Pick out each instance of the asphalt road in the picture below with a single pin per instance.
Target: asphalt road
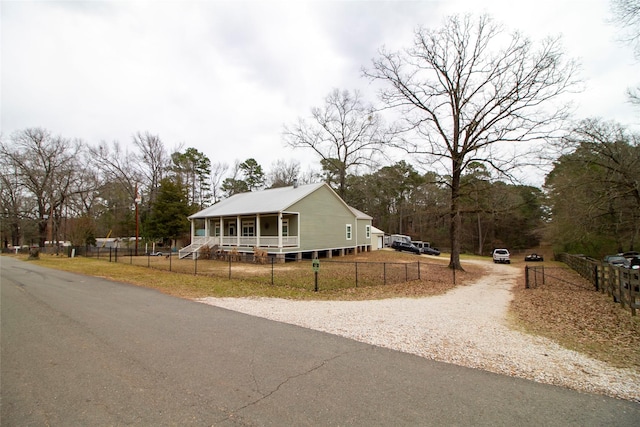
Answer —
(81, 351)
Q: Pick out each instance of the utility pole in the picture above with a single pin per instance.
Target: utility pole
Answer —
(137, 200)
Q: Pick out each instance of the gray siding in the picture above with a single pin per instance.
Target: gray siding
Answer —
(323, 220)
(362, 232)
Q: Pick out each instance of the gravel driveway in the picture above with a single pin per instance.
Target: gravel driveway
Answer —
(466, 326)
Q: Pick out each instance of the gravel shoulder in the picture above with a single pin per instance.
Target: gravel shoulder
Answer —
(467, 326)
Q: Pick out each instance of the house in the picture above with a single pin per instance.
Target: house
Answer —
(289, 222)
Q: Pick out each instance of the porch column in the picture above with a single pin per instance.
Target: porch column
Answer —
(206, 228)
(193, 230)
(258, 230)
(238, 230)
(221, 231)
(280, 229)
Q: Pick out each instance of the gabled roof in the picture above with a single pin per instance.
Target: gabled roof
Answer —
(375, 230)
(259, 202)
(360, 214)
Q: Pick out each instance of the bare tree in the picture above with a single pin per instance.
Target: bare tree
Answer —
(46, 168)
(152, 161)
(117, 166)
(14, 203)
(218, 172)
(345, 133)
(627, 17)
(283, 174)
(464, 91)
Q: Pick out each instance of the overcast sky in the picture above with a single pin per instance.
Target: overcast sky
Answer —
(225, 76)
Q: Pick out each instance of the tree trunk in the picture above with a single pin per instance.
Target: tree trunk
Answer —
(480, 238)
(456, 220)
(42, 231)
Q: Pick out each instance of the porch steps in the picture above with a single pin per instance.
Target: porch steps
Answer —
(193, 249)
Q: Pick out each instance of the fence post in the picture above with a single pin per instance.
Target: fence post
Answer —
(384, 273)
(526, 277)
(620, 281)
(195, 264)
(170, 253)
(272, 272)
(627, 288)
(613, 274)
(315, 275)
(632, 293)
(229, 255)
(419, 277)
(356, 274)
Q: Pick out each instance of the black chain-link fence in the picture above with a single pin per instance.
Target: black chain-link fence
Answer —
(331, 274)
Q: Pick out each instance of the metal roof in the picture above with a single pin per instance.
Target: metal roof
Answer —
(259, 202)
(359, 214)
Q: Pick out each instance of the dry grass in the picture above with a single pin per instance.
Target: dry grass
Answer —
(292, 280)
(567, 310)
(573, 315)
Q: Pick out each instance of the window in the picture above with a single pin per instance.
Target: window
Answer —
(232, 229)
(248, 228)
(368, 231)
(285, 227)
(348, 231)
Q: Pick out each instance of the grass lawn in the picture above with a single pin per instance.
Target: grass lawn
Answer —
(293, 280)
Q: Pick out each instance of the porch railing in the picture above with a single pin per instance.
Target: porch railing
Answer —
(248, 241)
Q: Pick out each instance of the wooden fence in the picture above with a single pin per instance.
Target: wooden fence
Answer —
(622, 284)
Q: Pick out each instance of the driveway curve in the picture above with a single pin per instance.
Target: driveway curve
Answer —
(466, 326)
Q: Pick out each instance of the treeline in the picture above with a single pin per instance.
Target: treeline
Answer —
(494, 214)
(62, 189)
(594, 190)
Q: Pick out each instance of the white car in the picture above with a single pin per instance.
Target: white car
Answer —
(501, 256)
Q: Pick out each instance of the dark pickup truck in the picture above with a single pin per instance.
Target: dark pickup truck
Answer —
(405, 247)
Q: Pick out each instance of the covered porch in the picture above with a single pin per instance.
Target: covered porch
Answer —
(272, 232)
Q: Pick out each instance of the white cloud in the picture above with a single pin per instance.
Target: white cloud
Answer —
(224, 77)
